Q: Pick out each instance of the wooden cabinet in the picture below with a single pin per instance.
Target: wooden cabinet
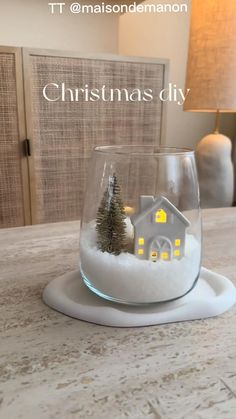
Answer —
(48, 185)
(14, 186)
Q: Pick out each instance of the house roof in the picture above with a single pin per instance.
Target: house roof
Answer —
(157, 203)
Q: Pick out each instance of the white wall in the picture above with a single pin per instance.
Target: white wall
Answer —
(166, 36)
(29, 23)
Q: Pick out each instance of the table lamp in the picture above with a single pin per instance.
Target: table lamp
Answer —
(211, 78)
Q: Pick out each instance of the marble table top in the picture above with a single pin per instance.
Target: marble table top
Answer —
(52, 366)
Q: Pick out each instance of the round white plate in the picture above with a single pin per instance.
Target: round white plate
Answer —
(213, 295)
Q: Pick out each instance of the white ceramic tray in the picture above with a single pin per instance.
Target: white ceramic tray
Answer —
(213, 295)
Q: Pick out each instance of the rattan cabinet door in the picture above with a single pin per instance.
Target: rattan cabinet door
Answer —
(14, 202)
(63, 133)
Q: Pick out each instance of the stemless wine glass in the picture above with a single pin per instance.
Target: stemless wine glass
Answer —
(141, 229)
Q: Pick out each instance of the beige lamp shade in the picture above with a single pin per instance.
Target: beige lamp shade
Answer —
(211, 69)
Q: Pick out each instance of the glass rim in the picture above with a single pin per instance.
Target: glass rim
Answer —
(143, 150)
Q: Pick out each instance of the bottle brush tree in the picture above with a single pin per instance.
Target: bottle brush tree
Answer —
(110, 223)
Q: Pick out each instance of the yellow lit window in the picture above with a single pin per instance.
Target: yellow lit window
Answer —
(140, 251)
(165, 255)
(177, 242)
(141, 240)
(154, 254)
(177, 252)
(161, 216)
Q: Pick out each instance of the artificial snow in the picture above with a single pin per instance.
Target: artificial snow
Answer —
(125, 277)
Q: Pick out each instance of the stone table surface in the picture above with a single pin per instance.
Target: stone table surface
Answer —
(53, 366)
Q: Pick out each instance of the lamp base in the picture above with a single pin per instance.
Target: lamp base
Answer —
(215, 171)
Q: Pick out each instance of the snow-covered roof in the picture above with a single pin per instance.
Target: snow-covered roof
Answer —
(150, 204)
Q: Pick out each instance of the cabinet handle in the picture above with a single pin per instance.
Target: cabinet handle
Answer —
(27, 147)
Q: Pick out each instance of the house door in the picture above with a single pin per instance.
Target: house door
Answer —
(161, 248)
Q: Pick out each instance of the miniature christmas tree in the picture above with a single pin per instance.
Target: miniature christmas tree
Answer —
(110, 223)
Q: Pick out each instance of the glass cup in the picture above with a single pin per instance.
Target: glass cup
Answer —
(140, 237)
